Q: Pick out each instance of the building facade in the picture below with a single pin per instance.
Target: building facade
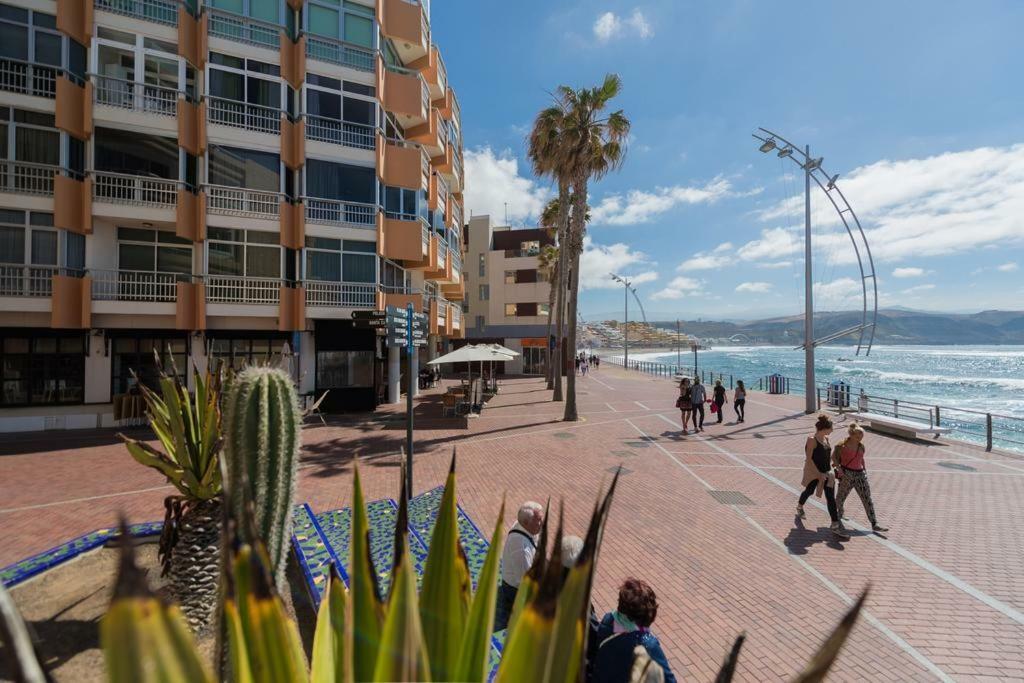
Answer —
(507, 293)
(219, 180)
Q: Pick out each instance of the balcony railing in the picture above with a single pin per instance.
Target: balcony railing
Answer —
(21, 280)
(121, 188)
(332, 211)
(134, 285)
(442, 254)
(345, 133)
(235, 289)
(238, 201)
(124, 94)
(28, 79)
(457, 216)
(159, 11)
(340, 294)
(457, 164)
(244, 115)
(243, 29)
(26, 177)
(456, 317)
(340, 52)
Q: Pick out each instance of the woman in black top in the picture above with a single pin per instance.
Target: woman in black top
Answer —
(818, 474)
(719, 398)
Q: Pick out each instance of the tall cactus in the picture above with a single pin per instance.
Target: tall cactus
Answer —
(261, 448)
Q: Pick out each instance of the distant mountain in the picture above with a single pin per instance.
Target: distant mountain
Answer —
(895, 326)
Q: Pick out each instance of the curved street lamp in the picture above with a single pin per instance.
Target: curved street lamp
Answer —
(625, 326)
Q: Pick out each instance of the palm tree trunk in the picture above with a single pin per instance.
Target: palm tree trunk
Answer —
(563, 239)
(195, 563)
(549, 370)
(575, 244)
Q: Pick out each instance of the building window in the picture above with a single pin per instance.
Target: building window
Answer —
(341, 182)
(348, 21)
(483, 265)
(530, 248)
(510, 277)
(330, 98)
(153, 251)
(233, 167)
(29, 36)
(135, 354)
(393, 277)
(247, 253)
(544, 309)
(485, 292)
(344, 369)
(245, 93)
(334, 260)
(264, 10)
(510, 310)
(480, 322)
(41, 370)
(241, 353)
(136, 72)
(28, 137)
(131, 153)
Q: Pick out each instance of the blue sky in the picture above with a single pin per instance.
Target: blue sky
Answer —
(917, 105)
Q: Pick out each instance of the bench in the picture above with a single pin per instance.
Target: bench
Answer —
(894, 425)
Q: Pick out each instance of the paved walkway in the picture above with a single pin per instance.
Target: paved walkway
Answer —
(947, 583)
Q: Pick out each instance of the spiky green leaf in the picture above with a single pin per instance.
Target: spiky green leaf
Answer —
(476, 641)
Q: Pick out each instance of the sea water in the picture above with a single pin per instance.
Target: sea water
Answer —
(988, 379)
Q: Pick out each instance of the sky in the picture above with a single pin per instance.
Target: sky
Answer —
(918, 106)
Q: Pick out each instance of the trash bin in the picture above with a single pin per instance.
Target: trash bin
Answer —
(776, 384)
(839, 394)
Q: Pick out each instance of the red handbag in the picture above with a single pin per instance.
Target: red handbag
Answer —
(714, 407)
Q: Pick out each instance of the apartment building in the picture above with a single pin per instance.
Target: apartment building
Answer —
(219, 180)
(507, 294)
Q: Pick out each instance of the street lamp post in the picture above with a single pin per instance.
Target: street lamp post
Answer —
(627, 285)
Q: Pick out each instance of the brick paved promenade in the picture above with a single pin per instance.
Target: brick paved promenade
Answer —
(947, 584)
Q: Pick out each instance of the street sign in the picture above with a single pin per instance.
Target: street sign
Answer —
(368, 315)
(363, 323)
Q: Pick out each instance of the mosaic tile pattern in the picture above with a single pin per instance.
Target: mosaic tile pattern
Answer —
(423, 511)
(14, 574)
(313, 552)
(337, 530)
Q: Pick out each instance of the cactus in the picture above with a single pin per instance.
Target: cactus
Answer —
(261, 449)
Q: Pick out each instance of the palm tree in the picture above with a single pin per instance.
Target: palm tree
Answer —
(548, 262)
(591, 143)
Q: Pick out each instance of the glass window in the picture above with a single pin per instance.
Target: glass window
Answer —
(323, 21)
(239, 353)
(240, 252)
(12, 244)
(323, 265)
(343, 369)
(510, 310)
(543, 309)
(358, 30)
(136, 257)
(265, 10)
(510, 277)
(44, 247)
(483, 265)
(121, 151)
(262, 261)
(43, 370)
(342, 182)
(485, 292)
(359, 267)
(245, 168)
(135, 354)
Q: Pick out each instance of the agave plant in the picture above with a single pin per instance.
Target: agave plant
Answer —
(188, 428)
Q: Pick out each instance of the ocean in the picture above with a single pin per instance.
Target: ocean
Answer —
(988, 379)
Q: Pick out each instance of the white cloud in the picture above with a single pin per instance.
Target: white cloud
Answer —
(838, 294)
(598, 260)
(640, 206)
(678, 288)
(1007, 267)
(944, 204)
(639, 23)
(492, 179)
(702, 261)
(908, 272)
(723, 247)
(776, 264)
(917, 289)
(609, 26)
(754, 287)
(774, 243)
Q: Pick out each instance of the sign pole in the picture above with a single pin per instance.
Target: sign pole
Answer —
(410, 349)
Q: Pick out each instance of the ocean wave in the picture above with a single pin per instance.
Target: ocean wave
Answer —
(949, 380)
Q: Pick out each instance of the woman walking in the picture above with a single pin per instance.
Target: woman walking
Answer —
(818, 474)
(739, 400)
(697, 398)
(683, 403)
(848, 457)
(719, 398)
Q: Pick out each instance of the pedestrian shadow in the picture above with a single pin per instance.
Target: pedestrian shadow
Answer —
(800, 538)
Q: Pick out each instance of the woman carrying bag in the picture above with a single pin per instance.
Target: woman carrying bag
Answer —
(683, 402)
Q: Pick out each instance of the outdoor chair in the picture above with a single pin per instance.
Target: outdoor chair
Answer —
(450, 404)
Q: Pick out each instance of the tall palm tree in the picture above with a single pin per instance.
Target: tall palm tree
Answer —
(591, 143)
(548, 262)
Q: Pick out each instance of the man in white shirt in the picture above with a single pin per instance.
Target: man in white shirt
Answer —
(516, 558)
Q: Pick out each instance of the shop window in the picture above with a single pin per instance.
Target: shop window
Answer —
(41, 370)
(344, 369)
(135, 354)
(240, 353)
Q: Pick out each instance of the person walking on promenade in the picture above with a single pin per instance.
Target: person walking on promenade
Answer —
(516, 558)
(684, 404)
(625, 629)
(739, 400)
(719, 398)
(818, 474)
(697, 398)
(848, 457)
(577, 360)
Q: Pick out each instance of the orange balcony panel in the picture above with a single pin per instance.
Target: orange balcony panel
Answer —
(292, 309)
(293, 143)
(293, 225)
(433, 327)
(192, 126)
(71, 305)
(444, 104)
(74, 19)
(402, 165)
(403, 21)
(449, 324)
(296, 4)
(403, 240)
(401, 301)
(191, 215)
(193, 37)
(190, 306)
(73, 113)
(72, 204)
(432, 189)
(403, 94)
(293, 59)
(444, 163)
(426, 133)
(454, 292)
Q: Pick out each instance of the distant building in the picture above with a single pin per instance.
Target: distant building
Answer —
(506, 293)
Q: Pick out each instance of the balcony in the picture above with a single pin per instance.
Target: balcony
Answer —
(231, 26)
(141, 97)
(339, 52)
(135, 285)
(335, 212)
(406, 95)
(456, 314)
(158, 11)
(28, 79)
(344, 133)
(32, 281)
(238, 201)
(406, 237)
(399, 297)
(25, 177)
(405, 23)
(236, 289)
(435, 73)
(134, 190)
(432, 135)
(403, 164)
(234, 114)
(340, 294)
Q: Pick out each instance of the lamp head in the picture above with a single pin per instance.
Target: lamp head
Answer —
(768, 145)
(786, 151)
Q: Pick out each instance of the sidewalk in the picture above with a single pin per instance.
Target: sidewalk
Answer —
(947, 585)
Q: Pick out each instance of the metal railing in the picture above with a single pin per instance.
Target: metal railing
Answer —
(332, 211)
(457, 216)
(257, 117)
(26, 177)
(125, 94)
(442, 254)
(340, 52)
(457, 164)
(223, 24)
(134, 285)
(159, 11)
(236, 289)
(340, 294)
(456, 317)
(25, 280)
(121, 188)
(358, 135)
(238, 201)
(27, 78)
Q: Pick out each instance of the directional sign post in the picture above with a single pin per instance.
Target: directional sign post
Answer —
(410, 349)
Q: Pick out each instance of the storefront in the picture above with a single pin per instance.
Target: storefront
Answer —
(349, 365)
(41, 367)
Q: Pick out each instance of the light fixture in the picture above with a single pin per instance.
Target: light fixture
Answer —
(786, 151)
(768, 145)
(832, 181)
(147, 224)
(813, 163)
